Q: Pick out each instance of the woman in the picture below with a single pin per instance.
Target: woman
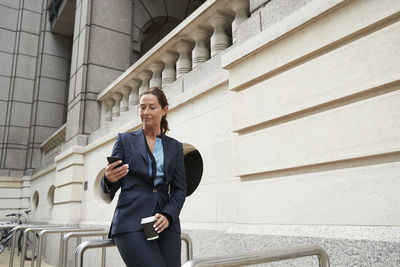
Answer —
(152, 182)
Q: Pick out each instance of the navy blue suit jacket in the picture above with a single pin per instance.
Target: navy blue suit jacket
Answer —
(139, 198)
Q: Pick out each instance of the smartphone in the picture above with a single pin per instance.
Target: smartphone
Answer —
(114, 159)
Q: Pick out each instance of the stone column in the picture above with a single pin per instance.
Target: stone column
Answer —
(134, 84)
(240, 7)
(200, 53)
(117, 97)
(156, 68)
(125, 91)
(184, 63)
(219, 40)
(169, 72)
(144, 76)
(108, 104)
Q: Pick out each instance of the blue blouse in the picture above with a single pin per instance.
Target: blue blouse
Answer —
(158, 154)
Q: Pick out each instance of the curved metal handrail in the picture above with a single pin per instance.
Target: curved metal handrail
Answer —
(103, 243)
(64, 244)
(263, 257)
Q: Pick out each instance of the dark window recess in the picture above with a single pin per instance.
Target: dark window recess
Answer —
(194, 170)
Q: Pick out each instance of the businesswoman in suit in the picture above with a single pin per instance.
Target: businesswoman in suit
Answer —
(152, 182)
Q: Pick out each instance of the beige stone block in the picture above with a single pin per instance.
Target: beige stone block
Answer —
(28, 44)
(12, 204)
(8, 18)
(356, 130)
(18, 135)
(78, 10)
(71, 89)
(109, 48)
(20, 114)
(26, 66)
(7, 40)
(9, 192)
(33, 5)
(248, 28)
(66, 213)
(54, 67)
(275, 11)
(81, 77)
(5, 67)
(50, 114)
(4, 88)
(74, 57)
(100, 77)
(117, 17)
(226, 200)
(68, 193)
(330, 28)
(68, 159)
(57, 45)
(85, 14)
(23, 90)
(200, 207)
(330, 77)
(364, 195)
(92, 116)
(31, 22)
(42, 133)
(10, 3)
(52, 90)
(71, 174)
(74, 120)
(15, 159)
(82, 57)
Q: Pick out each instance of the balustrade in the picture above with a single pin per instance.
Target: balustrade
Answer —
(201, 36)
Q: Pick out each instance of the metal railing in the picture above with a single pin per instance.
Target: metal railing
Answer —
(17, 229)
(61, 231)
(64, 244)
(103, 243)
(263, 257)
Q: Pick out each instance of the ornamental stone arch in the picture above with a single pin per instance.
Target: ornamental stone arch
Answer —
(154, 19)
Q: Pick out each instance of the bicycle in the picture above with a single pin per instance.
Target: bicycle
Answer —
(7, 234)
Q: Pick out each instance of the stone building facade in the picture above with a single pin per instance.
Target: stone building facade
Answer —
(293, 107)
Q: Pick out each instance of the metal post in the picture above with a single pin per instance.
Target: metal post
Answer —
(189, 246)
(57, 230)
(64, 252)
(90, 244)
(14, 238)
(263, 257)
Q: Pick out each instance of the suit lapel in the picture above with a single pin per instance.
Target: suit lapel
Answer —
(167, 152)
(139, 143)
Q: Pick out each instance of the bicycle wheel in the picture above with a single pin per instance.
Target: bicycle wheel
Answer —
(29, 245)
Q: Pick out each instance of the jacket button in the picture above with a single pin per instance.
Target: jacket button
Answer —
(154, 190)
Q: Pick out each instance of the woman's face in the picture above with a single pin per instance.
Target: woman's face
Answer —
(151, 111)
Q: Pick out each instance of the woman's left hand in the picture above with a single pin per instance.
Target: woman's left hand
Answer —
(161, 223)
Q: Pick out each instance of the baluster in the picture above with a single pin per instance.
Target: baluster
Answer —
(169, 72)
(219, 40)
(144, 76)
(125, 91)
(109, 102)
(200, 53)
(156, 68)
(134, 84)
(240, 7)
(184, 63)
(116, 107)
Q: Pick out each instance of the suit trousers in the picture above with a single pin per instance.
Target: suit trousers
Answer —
(137, 251)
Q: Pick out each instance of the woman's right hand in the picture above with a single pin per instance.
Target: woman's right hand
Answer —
(114, 174)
